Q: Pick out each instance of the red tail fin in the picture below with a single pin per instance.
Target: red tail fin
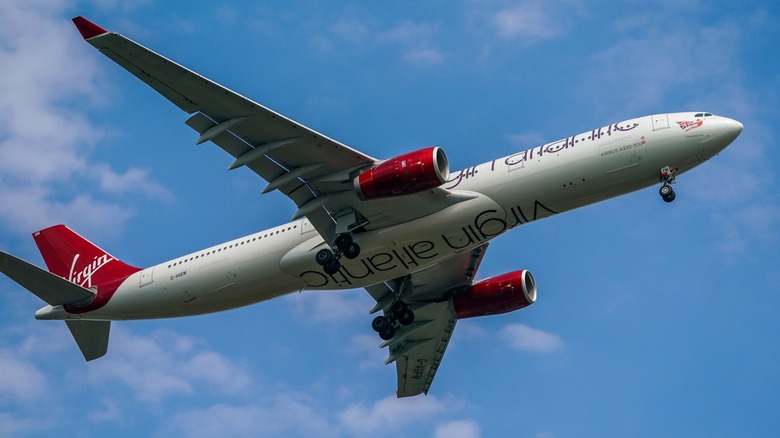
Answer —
(76, 259)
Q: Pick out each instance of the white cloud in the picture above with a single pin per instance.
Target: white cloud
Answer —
(525, 338)
(528, 20)
(352, 30)
(294, 414)
(331, 306)
(366, 347)
(409, 32)
(166, 364)
(414, 39)
(108, 411)
(20, 380)
(746, 228)
(25, 387)
(133, 180)
(471, 330)
(41, 338)
(662, 58)
(26, 208)
(12, 425)
(218, 371)
(46, 174)
(286, 415)
(383, 416)
(527, 139)
(424, 56)
(227, 15)
(458, 429)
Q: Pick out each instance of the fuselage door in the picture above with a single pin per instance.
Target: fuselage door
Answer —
(660, 121)
(306, 226)
(146, 277)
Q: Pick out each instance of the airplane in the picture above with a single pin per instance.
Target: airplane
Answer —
(406, 229)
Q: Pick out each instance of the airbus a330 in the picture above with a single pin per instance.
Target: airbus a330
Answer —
(406, 229)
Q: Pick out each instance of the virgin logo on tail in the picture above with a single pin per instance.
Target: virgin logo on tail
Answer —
(84, 277)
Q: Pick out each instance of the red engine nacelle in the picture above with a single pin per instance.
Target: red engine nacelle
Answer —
(499, 294)
(403, 175)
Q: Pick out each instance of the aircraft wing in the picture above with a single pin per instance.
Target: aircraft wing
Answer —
(418, 349)
(315, 171)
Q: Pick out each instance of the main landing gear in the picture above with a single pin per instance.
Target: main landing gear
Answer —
(343, 245)
(666, 191)
(385, 325)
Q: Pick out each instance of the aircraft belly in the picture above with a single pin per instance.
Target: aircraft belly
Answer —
(402, 249)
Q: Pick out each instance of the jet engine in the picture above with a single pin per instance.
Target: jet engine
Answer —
(403, 175)
(499, 294)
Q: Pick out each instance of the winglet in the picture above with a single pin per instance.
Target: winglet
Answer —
(87, 28)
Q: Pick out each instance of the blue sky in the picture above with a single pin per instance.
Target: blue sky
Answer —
(653, 319)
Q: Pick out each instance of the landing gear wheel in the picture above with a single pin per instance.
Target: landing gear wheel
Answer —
(387, 333)
(324, 257)
(332, 267)
(343, 242)
(667, 193)
(398, 308)
(406, 318)
(352, 251)
(380, 323)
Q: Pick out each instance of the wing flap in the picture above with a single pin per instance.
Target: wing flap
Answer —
(417, 365)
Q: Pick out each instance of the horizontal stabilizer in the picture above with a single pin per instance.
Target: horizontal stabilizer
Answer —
(47, 286)
(92, 336)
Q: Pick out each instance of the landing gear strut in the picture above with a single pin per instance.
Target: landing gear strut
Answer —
(343, 245)
(386, 325)
(667, 178)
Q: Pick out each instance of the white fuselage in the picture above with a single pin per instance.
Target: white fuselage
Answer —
(503, 193)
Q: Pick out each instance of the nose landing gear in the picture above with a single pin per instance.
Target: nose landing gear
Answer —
(666, 191)
(343, 245)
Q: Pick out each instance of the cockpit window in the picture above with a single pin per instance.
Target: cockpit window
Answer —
(703, 115)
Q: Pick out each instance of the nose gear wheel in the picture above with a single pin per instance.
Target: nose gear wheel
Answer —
(667, 178)
(667, 193)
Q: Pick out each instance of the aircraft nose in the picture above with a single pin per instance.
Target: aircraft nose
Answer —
(732, 128)
(735, 127)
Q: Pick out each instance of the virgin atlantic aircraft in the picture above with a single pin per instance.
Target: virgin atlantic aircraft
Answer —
(406, 229)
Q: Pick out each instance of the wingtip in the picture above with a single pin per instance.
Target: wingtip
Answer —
(87, 28)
